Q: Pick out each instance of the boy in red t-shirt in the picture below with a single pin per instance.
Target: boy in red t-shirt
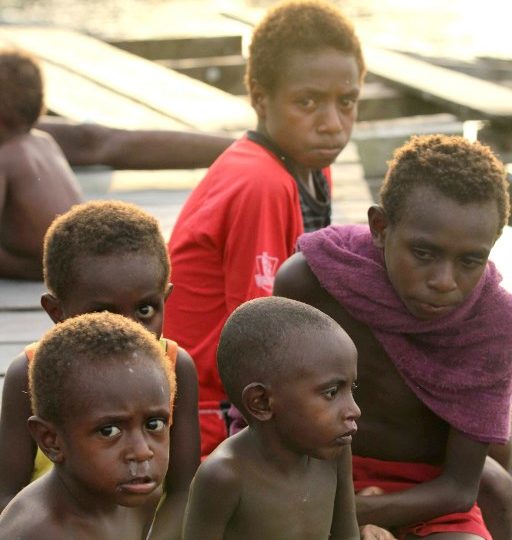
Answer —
(304, 76)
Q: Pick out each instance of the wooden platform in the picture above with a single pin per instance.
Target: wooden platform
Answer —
(88, 79)
(466, 96)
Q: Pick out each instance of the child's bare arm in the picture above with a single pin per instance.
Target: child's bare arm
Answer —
(455, 490)
(214, 496)
(344, 522)
(184, 452)
(90, 144)
(17, 448)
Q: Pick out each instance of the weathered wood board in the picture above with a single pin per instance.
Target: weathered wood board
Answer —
(193, 103)
(461, 94)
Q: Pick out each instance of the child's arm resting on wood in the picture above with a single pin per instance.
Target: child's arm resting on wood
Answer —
(214, 496)
(455, 490)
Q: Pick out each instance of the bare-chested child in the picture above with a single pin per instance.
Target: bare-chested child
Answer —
(102, 391)
(290, 370)
(431, 324)
(36, 182)
(105, 255)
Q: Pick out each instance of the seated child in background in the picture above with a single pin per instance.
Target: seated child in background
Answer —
(304, 75)
(102, 392)
(290, 370)
(36, 182)
(415, 292)
(105, 256)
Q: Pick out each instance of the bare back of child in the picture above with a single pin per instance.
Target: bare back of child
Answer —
(36, 182)
(420, 271)
(107, 436)
(290, 370)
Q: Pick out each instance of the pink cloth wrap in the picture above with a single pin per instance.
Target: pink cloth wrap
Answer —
(459, 365)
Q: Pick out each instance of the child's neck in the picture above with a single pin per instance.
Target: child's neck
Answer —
(7, 134)
(276, 455)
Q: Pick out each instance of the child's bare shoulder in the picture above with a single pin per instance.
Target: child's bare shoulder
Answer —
(30, 516)
(224, 466)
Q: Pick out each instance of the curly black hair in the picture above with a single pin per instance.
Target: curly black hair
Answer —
(99, 228)
(303, 25)
(463, 171)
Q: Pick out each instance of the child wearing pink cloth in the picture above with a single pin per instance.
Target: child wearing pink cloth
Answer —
(416, 293)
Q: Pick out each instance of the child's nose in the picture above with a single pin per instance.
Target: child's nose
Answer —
(354, 412)
(138, 448)
(331, 119)
(442, 278)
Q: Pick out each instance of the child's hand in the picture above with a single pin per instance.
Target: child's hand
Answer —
(371, 490)
(372, 532)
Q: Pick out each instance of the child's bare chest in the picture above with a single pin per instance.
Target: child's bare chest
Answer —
(298, 507)
(394, 423)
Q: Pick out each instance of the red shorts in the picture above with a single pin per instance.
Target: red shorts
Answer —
(212, 423)
(393, 476)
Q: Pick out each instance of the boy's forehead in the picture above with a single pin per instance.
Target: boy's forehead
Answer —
(426, 210)
(428, 201)
(308, 345)
(119, 379)
(306, 66)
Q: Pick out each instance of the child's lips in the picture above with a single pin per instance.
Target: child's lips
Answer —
(138, 486)
(328, 152)
(435, 310)
(346, 438)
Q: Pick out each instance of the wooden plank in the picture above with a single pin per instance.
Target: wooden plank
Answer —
(182, 47)
(20, 295)
(82, 100)
(23, 326)
(192, 102)
(462, 94)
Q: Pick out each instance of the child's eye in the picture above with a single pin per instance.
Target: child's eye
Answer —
(307, 103)
(155, 424)
(145, 312)
(330, 393)
(354, 386)
(109, 431)
(348, 103)
(423, 254)
(471, 263)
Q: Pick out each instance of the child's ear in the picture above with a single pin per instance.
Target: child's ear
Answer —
(257, 402)
(168, 290)
(47, 438)
(53, 307)
(258, 98)
(378, 221)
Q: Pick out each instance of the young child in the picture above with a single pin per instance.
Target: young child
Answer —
(102, 391)
(36, 183)
(290, 370)
(432, 327)
(105, 255)
(304, 75)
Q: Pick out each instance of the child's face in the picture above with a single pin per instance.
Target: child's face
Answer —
(314, 409)
(438, 250)
(115, 437)
(128, 284)
(310, 113)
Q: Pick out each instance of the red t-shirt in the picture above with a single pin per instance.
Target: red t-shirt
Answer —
(237, 227)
